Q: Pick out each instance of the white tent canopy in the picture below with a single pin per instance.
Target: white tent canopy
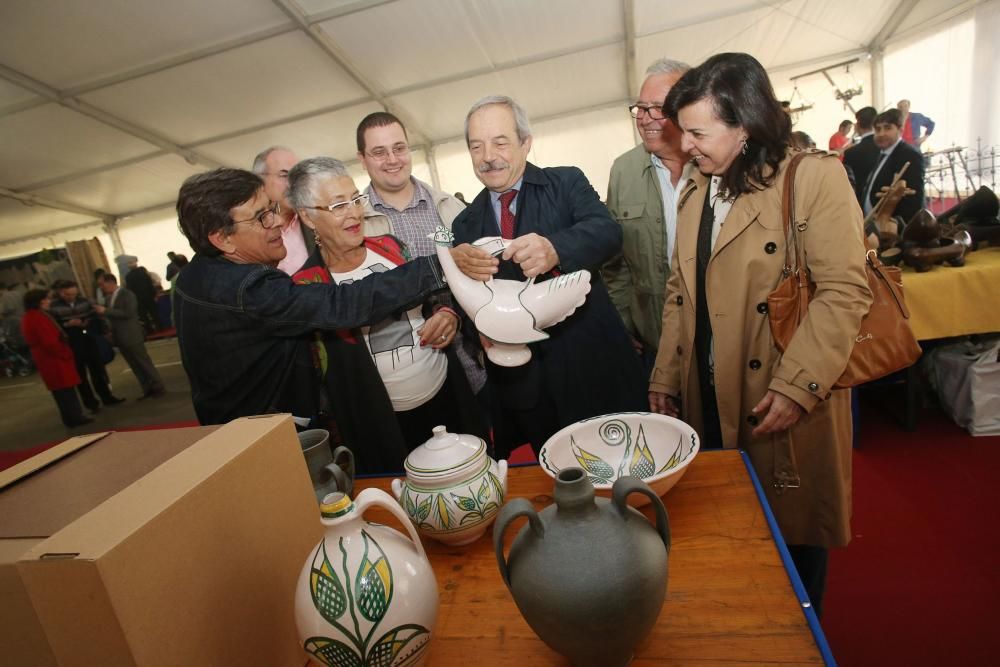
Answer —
(107, 105)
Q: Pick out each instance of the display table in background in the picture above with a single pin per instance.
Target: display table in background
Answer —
(955, 301)
(729, 597)
(950, 301)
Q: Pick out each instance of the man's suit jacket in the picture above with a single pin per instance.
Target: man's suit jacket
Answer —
(859, 160)
(587, 367)
(126, 330)
(914, 177)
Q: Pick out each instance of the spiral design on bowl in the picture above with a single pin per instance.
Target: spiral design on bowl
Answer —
(614, 432)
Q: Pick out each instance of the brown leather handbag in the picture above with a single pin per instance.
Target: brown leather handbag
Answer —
(885, 343)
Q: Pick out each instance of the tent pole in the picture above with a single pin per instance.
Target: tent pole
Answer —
(878, 78)
(111, 227)
(432, 163)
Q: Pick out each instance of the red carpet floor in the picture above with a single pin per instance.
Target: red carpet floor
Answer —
(919, 582)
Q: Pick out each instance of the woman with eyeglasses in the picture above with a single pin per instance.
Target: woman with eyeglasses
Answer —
(717, 366)
(385, 385)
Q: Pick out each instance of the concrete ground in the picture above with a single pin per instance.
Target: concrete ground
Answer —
(28, 415)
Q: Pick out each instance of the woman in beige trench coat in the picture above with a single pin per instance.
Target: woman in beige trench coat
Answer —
(717, 366)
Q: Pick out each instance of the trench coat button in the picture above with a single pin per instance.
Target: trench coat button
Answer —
(755, 364)
(680, 300)
(680, 350)
(770, 247)
(752, 420)
(813, 386)
(762, 308)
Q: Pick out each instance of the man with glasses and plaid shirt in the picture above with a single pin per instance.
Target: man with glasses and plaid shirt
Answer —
(406, 207)
(243, 326)
(642, 197)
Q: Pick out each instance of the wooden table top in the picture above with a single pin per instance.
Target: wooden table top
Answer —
(729, 599)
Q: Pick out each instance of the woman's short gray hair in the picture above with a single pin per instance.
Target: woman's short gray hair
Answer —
(520, 117)
(304, 176)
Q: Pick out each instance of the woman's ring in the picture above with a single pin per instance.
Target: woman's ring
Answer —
(443, 338)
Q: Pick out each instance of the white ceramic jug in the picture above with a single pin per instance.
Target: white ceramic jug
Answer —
(366, 594)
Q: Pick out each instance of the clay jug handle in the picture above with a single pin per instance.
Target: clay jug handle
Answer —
(343, 458)
(517, 507)
(378, 498)
(624, 487)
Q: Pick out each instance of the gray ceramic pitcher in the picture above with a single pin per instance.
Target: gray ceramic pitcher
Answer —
(330, 471)
(588, 574)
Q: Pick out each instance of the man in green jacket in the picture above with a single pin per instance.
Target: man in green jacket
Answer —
(642, 196)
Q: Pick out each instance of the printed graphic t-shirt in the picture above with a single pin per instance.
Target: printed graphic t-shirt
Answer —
(412, 374)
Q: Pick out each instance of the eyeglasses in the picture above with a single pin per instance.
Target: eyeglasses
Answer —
(653, 111)
(283, 174)
(381, 153)
(267, 218)
(339, 210)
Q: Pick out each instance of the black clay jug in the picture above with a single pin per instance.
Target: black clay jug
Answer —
(588, 574)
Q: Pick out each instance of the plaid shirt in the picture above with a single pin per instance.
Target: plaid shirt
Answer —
(415, 224)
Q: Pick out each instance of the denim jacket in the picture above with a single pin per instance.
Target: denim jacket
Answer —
(244, 329)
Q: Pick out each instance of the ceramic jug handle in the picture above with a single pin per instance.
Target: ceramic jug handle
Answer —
(344, 459)
(624, 487)
(517, 507)
(378, 498)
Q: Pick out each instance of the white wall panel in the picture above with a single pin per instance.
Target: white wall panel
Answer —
(331, 134)
(66, 43)
(12, 95)
(126, 189)
(49, 141)
(268, 80)
(582, 80)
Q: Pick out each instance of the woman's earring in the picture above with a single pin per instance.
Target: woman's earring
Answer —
(744, 149)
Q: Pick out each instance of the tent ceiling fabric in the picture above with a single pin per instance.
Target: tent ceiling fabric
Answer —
(218, 81)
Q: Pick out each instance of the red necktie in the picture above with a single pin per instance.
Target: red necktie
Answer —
(506, 217)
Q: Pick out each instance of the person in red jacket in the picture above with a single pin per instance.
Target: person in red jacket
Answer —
(53, 356)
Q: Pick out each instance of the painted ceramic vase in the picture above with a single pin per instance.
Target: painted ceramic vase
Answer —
(511, 313)
(588, 574)
(453, 490)
(366, 594)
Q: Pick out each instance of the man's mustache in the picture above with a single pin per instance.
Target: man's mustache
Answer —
(491, 165)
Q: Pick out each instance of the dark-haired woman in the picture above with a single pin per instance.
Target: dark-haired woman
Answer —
(717, 366)
(53, 356)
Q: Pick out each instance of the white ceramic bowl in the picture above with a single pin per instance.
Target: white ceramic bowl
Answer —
(653, 447)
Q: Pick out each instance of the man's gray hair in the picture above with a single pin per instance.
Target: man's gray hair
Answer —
(259, 162)
(667, 66)
(304, 177)
(520, 117)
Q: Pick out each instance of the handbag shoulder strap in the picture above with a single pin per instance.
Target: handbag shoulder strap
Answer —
(788, 214)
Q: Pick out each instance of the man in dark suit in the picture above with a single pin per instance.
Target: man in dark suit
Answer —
(558, 225)
(859, 159)
(893, 154)
(122, 311)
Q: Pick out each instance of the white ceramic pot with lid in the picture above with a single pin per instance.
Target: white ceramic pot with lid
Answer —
(453, 489)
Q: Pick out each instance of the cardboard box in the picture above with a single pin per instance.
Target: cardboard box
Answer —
(172, 547)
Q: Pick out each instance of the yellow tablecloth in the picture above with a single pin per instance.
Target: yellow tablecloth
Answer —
(949, 301)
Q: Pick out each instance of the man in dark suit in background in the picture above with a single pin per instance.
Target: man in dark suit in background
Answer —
(859, 159)
(893, 154)
(557, 222)
(122, 311)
